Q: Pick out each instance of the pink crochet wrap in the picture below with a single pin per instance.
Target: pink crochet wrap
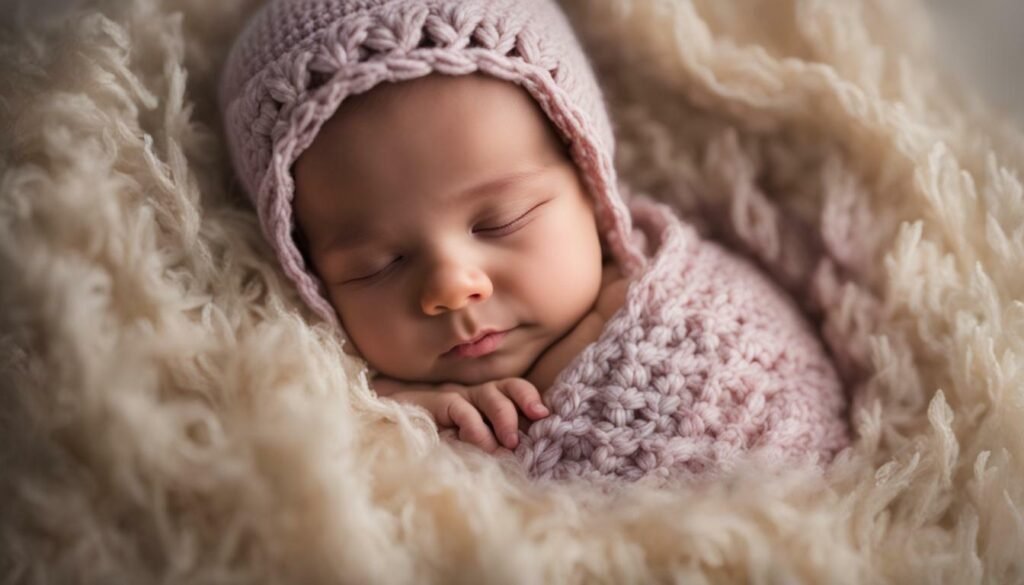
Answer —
(708, 361)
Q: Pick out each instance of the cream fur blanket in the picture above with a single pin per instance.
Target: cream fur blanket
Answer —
(168, 416)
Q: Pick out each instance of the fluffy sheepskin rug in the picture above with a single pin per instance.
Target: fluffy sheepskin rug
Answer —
(169, 413)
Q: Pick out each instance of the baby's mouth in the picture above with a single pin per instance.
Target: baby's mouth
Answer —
(482, 345)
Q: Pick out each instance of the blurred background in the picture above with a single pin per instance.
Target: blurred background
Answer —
(984, 44)
(982, 41)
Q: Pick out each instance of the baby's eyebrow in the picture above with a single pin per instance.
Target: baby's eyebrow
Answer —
(351, 236)
(501, 183)
(355, 234)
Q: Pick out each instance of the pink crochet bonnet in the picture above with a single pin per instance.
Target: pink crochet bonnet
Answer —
(297, 60)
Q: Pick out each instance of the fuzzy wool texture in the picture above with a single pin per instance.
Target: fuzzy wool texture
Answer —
(172, 413)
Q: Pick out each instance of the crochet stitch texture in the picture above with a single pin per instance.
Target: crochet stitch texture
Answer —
(706, 363)
(297, 60)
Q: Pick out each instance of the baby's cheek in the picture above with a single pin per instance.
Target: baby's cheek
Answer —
(374, 332)
(565, 285)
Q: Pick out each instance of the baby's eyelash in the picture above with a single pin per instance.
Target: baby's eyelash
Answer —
(377, 273)
(511, 223)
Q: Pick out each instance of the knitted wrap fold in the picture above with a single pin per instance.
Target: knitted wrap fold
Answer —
(298, 60)
(707, 362)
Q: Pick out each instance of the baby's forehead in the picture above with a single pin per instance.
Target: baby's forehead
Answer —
(489, 188)
(437, 135)
(450, 104)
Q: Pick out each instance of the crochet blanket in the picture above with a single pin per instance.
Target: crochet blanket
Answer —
(170, 414)
(707, 362)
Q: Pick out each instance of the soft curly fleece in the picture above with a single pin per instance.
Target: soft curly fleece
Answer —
(706, 364)
(166, 416)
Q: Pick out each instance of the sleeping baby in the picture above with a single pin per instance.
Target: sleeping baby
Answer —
(435, 176)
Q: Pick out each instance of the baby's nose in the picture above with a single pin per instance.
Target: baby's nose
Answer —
(452, 288)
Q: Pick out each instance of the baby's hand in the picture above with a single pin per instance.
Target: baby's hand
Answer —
(464, 407)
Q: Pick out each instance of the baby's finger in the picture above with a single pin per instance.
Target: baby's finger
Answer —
(526, 396)
(501, 412)
(472, 428)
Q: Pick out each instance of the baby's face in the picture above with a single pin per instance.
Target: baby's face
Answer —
(437, 209)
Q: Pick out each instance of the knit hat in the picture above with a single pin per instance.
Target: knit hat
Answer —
(298, 60)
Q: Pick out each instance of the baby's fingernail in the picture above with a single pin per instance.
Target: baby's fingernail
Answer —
(538, 408)
(511, 440)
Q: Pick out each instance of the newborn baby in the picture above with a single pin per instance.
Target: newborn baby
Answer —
(436, 177)
(478, 263)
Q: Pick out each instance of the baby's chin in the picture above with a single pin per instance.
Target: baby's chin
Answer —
(479, 370)
(511, 362)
